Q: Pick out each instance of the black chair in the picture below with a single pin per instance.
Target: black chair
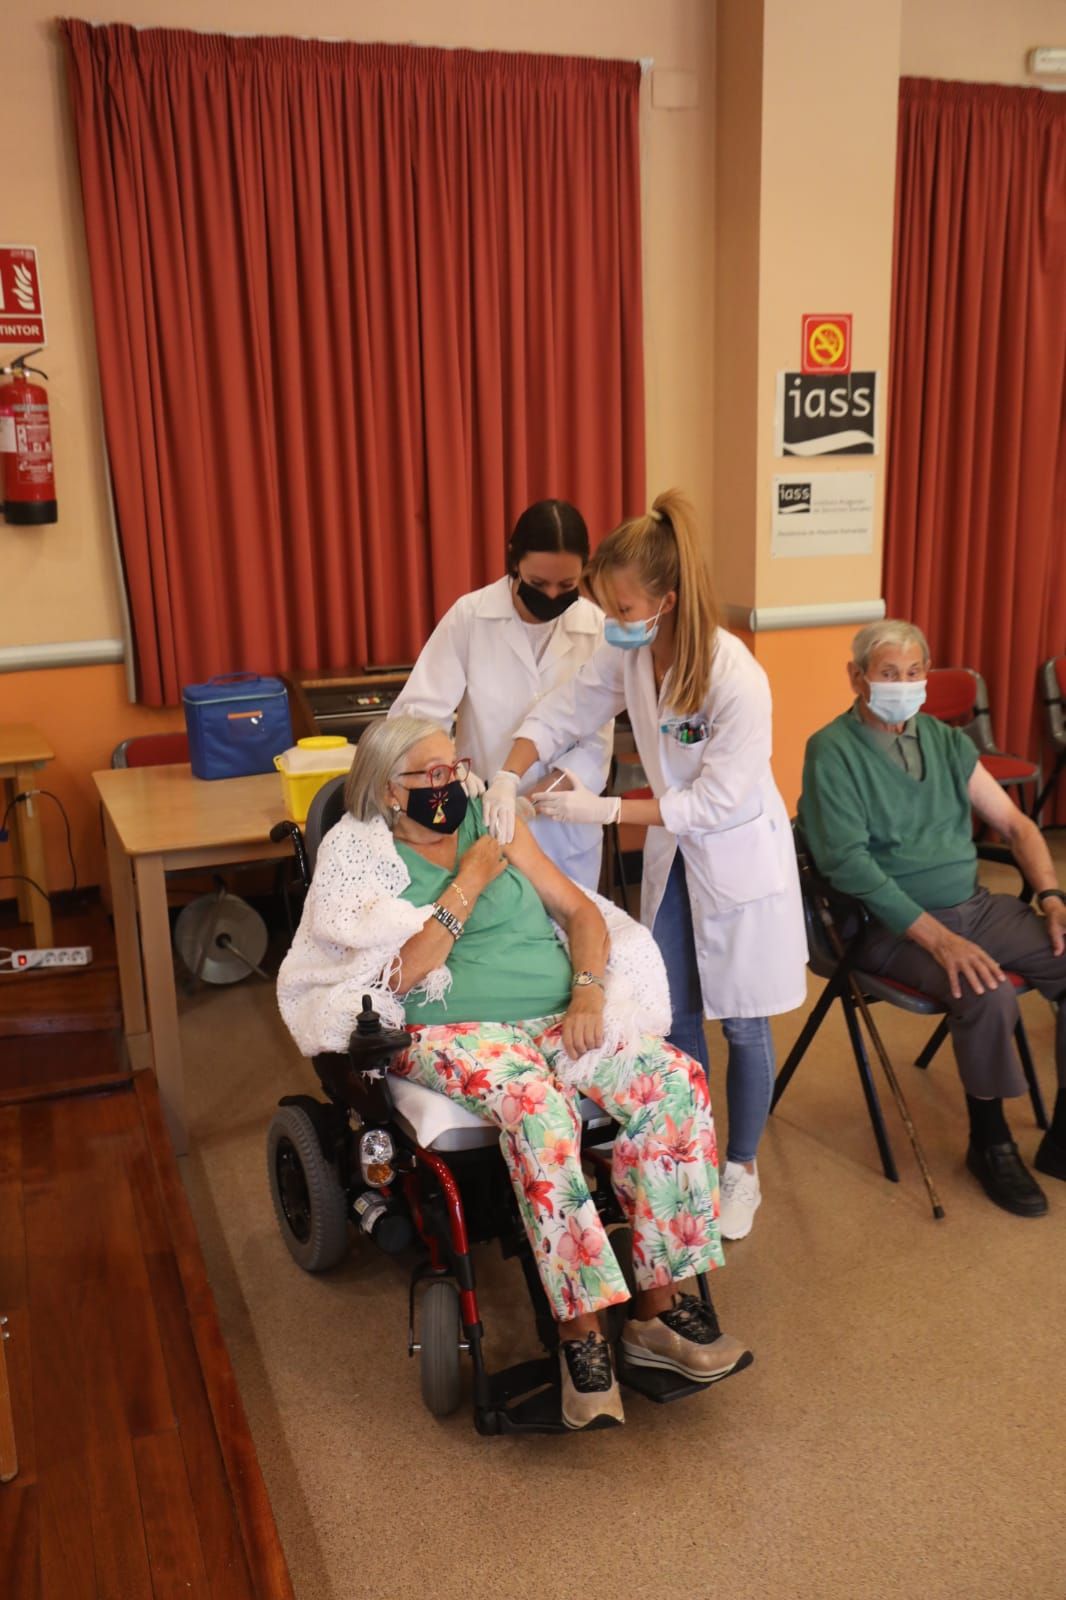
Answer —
(836, 924)
(1051, 687)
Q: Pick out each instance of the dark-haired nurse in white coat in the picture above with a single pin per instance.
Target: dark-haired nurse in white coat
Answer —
(500, 649)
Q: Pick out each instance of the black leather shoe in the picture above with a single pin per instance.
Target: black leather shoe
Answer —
(1005, 1178)
(1051, 1158)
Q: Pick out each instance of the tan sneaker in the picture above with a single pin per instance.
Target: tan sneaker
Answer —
(590, 1388)
(685, 1339)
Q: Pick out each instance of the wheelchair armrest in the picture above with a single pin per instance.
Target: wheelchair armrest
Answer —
(360, 1086)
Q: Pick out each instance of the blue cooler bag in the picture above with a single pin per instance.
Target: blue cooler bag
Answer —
(236, 725)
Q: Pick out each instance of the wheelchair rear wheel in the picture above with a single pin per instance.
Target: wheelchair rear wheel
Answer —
(439, 1335)
(310, 1205)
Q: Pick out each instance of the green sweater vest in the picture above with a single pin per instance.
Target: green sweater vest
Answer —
(900, 846)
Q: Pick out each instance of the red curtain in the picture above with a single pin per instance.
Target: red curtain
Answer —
(976, 508)
(356, 306)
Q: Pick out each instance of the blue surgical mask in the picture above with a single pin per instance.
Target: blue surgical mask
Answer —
(897, 702)
(631, 635)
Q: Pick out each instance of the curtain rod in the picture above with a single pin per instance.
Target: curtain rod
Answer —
(645, 63)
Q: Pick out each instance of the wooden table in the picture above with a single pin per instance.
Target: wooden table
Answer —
(24, 750)
(158, 820)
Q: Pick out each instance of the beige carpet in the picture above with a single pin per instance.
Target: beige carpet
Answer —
(900, 1433)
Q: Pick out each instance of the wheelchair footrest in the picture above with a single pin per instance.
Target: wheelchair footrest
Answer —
(655, 1383)
(524, 1399)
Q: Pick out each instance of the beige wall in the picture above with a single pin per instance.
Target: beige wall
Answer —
(59, 583)
(806, 125)
(977, 41)
(830, 107)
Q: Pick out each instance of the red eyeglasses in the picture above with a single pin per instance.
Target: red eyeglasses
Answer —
(438, 777)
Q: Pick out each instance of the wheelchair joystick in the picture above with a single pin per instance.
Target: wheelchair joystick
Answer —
(372, 1045)
(368, 1020)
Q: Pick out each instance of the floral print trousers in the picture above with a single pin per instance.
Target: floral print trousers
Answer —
(664, 1167)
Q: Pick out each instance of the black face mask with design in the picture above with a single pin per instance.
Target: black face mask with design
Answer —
(442, 810)
(542, 606)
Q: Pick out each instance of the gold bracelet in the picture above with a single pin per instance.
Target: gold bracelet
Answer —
(459, 892)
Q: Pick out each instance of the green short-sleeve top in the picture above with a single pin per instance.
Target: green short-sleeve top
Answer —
(508, 965)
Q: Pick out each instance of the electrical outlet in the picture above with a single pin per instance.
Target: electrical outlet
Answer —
(74, 955)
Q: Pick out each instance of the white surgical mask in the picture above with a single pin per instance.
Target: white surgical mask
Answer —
(897, 702)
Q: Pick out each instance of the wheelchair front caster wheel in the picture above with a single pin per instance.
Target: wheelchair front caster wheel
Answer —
(439, 1335)
(311, 1206)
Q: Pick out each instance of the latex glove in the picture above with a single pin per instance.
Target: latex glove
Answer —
(577, 804)
(474, 785)
(499, 805)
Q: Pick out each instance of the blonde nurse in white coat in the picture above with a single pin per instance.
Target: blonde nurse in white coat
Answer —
(720, 889)
(499, 650)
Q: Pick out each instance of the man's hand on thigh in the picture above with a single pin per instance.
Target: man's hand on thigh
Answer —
(961, 959)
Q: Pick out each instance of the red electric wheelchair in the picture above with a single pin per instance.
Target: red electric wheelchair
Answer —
(424, 1181)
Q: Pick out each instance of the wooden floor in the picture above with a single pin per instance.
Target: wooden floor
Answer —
(65, 1000)
(137, 1474)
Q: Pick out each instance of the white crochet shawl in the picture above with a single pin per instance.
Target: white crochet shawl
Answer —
(354, 925)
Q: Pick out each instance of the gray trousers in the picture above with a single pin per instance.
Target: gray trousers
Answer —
(982, 1025)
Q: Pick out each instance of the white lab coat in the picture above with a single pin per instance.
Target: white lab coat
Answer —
(720, 805)
(478, 666)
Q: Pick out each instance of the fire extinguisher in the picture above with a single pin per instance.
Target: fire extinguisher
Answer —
(28, 487)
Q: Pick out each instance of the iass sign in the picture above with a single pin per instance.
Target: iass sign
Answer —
(826, 415)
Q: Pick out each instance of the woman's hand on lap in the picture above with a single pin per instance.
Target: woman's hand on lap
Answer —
(583, 1022)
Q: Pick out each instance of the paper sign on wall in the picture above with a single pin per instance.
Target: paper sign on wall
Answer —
(823, 514)
(826, 415)
(21, 312)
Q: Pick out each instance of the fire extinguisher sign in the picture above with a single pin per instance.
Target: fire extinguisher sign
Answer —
(21, 312)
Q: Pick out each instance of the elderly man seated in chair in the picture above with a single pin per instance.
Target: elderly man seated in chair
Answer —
(887, 804)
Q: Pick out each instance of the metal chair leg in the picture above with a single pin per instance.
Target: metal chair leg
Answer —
(873, 1103)
(1021, 1039)
(1042, 798)
(936, 1039)
(830, 993)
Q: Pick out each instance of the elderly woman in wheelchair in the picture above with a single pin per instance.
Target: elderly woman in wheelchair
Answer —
(524, 999)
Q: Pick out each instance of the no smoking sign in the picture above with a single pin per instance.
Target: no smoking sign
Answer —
(826, 342)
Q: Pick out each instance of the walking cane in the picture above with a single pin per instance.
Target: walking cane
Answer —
(886, 1064)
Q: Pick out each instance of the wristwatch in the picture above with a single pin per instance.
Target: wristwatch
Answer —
(1050, 894)
(582, 980)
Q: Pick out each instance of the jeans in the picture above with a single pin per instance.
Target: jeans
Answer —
(749, 1083)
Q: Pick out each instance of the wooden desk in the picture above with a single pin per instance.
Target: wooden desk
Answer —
(23, 751)
(157, 820)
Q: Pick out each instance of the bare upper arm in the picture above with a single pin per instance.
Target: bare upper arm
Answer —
(992, 803)
(561, 897)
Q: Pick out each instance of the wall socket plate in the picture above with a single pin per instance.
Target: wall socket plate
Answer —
(73, 955)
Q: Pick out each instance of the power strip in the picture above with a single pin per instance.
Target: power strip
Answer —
(75, 955)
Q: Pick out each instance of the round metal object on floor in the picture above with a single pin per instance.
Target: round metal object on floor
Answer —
(203, 922)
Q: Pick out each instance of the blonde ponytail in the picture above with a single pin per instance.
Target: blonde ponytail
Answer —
(664, 552)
